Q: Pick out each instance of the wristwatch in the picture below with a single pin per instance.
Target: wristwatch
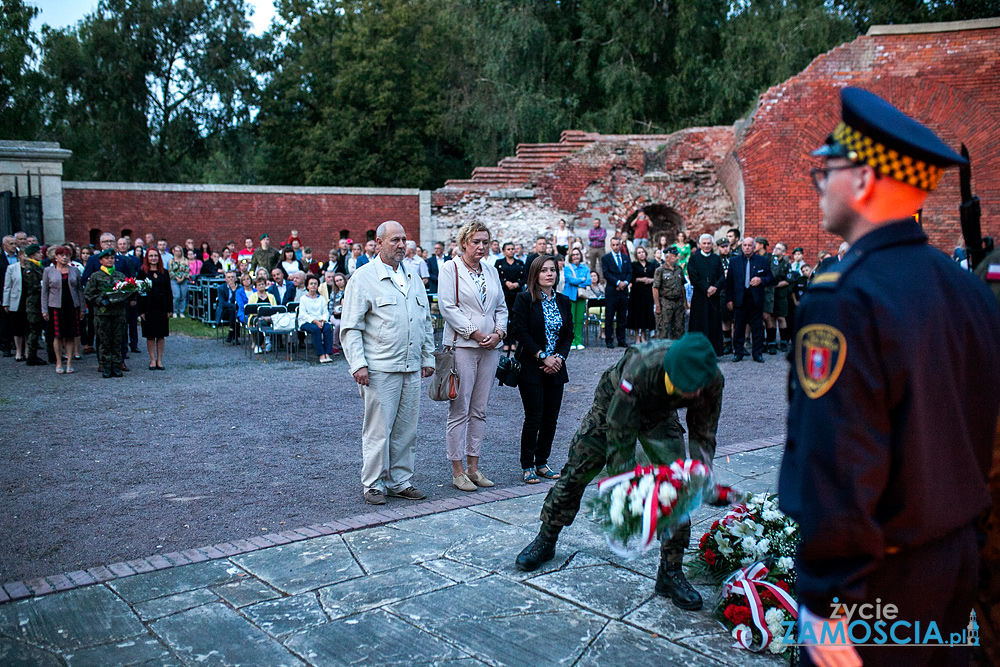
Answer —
(542, 356)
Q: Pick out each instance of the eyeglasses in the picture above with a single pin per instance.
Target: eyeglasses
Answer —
(821, 175)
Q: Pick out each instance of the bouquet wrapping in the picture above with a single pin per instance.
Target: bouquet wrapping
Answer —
(126, 290)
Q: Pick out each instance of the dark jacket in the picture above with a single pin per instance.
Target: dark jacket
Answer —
(158, 298)
(289, 293)
(612, 274)
(735, 281)
(433, 268)
(123, 264)
(513, 273)
(527, 326)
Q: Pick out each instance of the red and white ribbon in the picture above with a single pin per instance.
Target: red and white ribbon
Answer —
(745, 583)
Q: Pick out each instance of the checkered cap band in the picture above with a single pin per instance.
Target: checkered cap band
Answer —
(888, 161)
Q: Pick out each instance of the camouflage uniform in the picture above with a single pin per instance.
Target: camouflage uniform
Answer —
(31, 292)
(670, 285)
(780, 268)
(109, 318)
(607, 435)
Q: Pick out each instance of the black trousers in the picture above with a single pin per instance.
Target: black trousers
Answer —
(541, 411)
(6, 338)
(934, 582)
(615, 309)
(132, 316)
(751, 314)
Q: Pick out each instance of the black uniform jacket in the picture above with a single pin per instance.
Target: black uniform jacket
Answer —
(527, 326)
(895, 390)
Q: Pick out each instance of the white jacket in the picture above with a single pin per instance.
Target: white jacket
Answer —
(384, 328)
(12, 287)
(470, 314)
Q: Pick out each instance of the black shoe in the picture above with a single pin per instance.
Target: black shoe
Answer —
(35, 361)
(8, 353)
(117, 373)
(671, 583)
(540, 550)
(783, 346)
(772, 348)
(759, 358)
(107, 374)
(134, 349)
(727, 349)
(737, 358)
(610, 345)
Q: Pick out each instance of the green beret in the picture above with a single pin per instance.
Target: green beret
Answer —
(105, 253)
(32, 249)
(690, 363)
(263, 236)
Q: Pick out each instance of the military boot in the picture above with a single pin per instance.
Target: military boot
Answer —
(772, 348)
(541, 549)
(727, 346)
(671, 583)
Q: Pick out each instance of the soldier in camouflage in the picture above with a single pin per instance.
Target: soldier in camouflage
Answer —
(638, 398)
(109, 318)
(31, 292)
(669, 298)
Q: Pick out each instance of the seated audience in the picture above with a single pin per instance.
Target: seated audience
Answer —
(313, 318)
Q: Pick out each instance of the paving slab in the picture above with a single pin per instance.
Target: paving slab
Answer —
(245, 591)
(604, 589)
(457, 572)
(357, 595)
(303, 566)
(215, 635)
(160, 607)
(70, 620)
(15, 653)
(496, 548)
(662, 617)
(620, 644)
(719, 647)
(456, 522)
(385, 548)
(143, 587)
(371, 638)
(285, 615)
(517, 511)
(142, 650)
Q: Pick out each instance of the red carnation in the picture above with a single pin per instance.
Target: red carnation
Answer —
(737, 615)
(710, 557)
(703, 541)
(715, 524)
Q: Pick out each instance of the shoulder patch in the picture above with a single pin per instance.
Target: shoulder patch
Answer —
(820, 353)
(826, 278)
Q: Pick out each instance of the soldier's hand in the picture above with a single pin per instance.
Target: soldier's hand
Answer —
(361, 376)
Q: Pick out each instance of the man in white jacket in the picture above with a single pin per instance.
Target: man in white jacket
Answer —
(388, 342)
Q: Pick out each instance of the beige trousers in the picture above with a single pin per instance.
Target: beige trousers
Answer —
(389, 434)
(476, 369)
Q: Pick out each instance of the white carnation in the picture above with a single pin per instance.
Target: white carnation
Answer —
(785, 564)
(776, 646)
(619, 494)
(667, 494)
(749, 544)
(789, 530)
(635, 502)
(763, 547)
(771, 515)
(646, 485)
(774, 616)
(617, 513)
(746, 560)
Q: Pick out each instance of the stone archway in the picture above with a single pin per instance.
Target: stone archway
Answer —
(664, 220)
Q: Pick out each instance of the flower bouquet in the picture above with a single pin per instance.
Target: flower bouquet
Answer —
(750, 552)
(637, 505)
(126, 290)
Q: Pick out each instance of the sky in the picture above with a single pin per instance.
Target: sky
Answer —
(62, 13)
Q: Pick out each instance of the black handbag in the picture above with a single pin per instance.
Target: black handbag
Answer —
(508, 371)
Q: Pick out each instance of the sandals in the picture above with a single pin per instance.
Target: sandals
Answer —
(60, 370)
(530, 477)
(546, 473)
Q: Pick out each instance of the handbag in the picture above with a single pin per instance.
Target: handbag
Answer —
(508, 371)
(444, 384)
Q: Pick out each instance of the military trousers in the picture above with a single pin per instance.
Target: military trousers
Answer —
(670, 319)
(110, 330)
(36, 325)
(590, 452)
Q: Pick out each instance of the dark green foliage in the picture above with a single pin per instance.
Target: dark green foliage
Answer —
(399, 93)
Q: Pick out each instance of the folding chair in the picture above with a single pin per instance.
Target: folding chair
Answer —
(593, 319)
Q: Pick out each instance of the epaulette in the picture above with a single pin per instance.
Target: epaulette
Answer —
(830, 279)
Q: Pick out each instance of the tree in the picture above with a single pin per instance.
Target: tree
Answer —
(20, 112)
(147, 89)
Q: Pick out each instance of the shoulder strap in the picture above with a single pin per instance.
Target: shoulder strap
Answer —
(455, 332)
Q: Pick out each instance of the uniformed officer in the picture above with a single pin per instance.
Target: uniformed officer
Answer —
(639, 397)
(669, 298)
(894, 401)
(31, 292)
(109, 318)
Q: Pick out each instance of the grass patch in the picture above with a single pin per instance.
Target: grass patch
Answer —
(188, 327)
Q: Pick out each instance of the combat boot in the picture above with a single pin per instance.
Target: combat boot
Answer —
(772, 348)
(541, 549)
(671, 583)
(727, 347)
(36, 361)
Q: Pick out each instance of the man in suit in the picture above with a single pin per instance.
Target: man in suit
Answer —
(749, 274)
(227, 305)
(129, 264)
(434, 264)
(617, 270)
(7, 257)
(707, 278)
(282, 290)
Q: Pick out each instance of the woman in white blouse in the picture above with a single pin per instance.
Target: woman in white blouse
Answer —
(475, 315)
(313, 317)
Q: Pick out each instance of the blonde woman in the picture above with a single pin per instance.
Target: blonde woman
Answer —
(475, 314)
(180, 280)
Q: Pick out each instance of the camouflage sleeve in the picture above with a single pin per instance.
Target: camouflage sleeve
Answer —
(622, 416)
(703, 420)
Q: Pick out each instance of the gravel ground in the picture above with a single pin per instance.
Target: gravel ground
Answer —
(221, 447)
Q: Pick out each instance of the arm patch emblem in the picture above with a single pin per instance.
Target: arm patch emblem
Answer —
(820, 353)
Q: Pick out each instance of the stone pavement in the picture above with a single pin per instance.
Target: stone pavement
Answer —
(433, 589)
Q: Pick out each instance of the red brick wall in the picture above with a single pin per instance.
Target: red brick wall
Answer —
(949, 81)
(218, 217)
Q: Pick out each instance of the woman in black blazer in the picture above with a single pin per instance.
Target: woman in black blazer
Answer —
(542, 324)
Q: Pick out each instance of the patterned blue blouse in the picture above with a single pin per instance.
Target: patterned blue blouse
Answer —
(553, 321)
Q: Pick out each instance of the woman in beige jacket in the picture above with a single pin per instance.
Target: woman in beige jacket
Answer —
(475, 314)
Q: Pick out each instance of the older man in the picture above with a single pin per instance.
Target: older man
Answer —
(388, 342)
(415, 263)
(707, 277)
(8, 257)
